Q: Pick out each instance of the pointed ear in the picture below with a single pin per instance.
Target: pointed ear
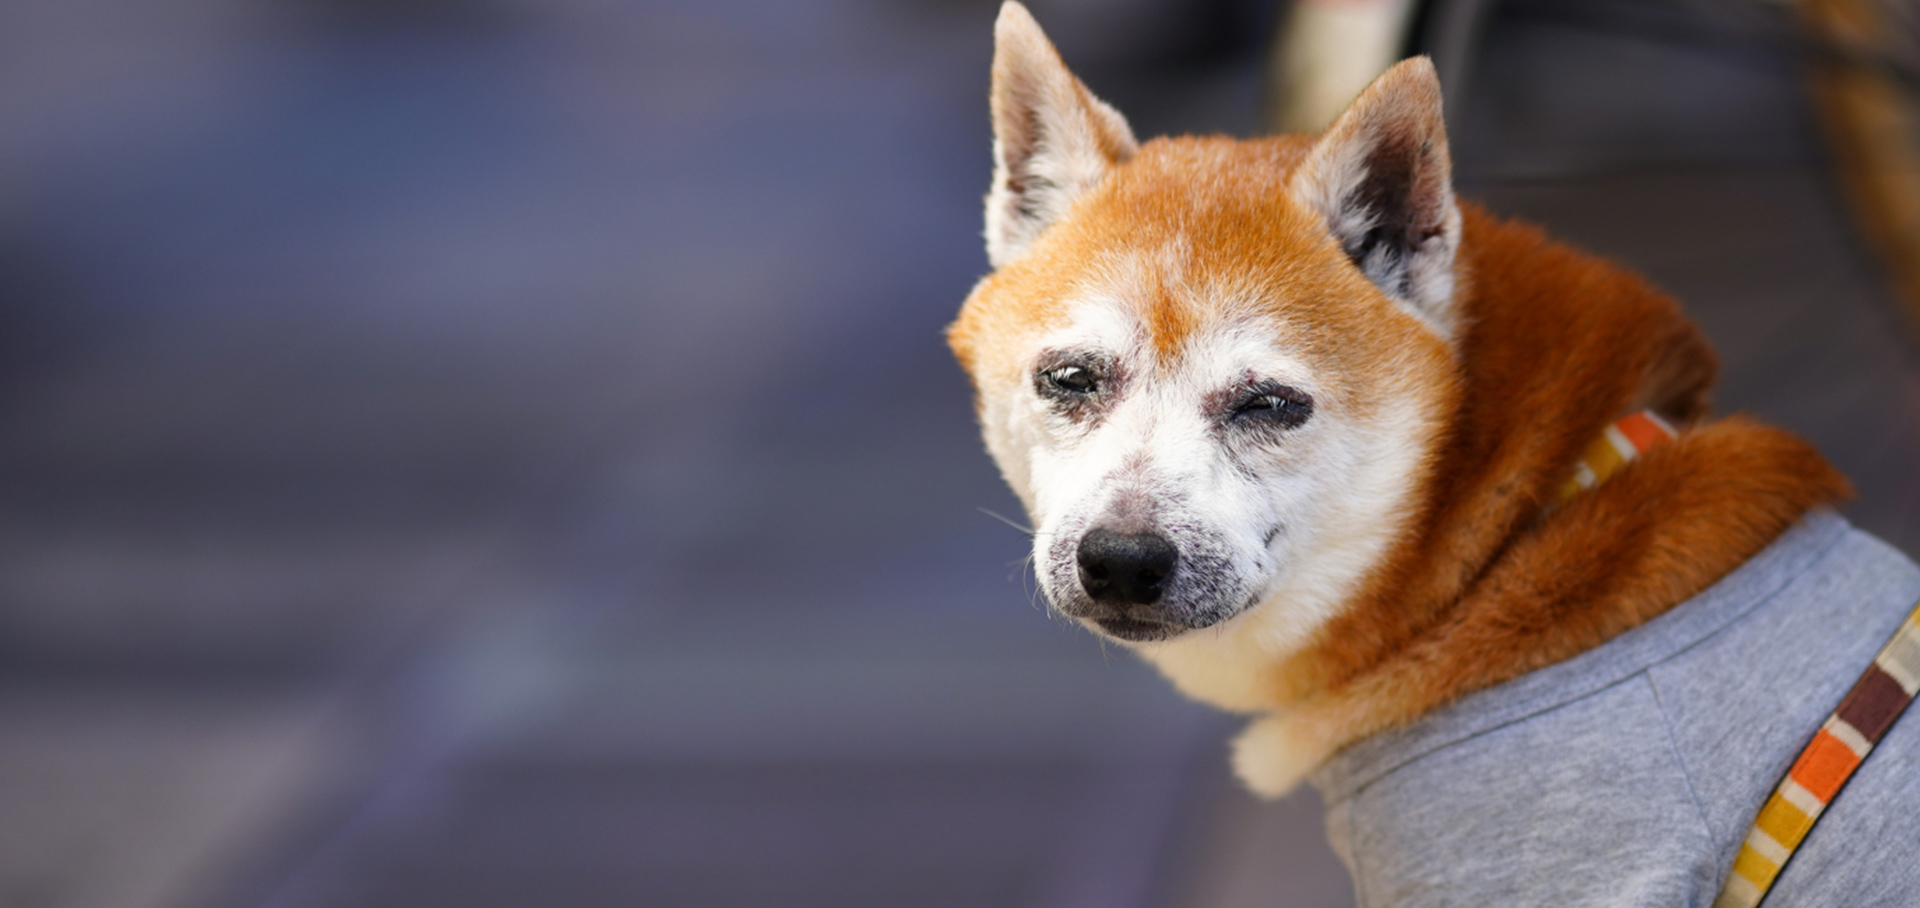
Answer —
(1052, 139)
(1382, 179)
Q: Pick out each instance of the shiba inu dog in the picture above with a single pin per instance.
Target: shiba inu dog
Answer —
(1290, 420)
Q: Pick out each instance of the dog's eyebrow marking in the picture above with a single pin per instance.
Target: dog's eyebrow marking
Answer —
(1169, 322)
(1151, 289)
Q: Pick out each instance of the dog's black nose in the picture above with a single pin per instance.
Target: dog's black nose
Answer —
(1120, 567)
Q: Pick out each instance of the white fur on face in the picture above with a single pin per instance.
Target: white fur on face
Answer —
(1154, 460)
(1345, 533)
(1275, 527)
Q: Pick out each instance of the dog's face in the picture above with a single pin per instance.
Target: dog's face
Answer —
(1214, 371)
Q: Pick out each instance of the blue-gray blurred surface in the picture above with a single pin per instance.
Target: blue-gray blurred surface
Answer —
(501, 452)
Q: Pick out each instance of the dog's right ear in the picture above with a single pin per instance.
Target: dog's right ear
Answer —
(1052, 139)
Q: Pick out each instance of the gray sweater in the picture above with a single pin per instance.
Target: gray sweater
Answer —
(1629, 775)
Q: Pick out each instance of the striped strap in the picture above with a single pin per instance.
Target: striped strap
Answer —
(1837, 749)
(1632, 436)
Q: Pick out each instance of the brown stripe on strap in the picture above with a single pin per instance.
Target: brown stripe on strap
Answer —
(1875, 701)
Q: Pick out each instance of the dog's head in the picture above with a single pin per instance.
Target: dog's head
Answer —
(1215, 371)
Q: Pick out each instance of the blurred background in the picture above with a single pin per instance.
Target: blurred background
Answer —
(502, 452)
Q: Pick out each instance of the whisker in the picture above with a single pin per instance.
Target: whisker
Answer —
(1008, 521)
(1033, 585)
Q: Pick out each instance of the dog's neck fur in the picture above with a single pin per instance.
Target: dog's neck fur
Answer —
(1555, 348)
(1486, 585)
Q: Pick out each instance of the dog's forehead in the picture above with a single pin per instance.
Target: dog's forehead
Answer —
(1192, 246)
(1192, 233)
(1144, 311)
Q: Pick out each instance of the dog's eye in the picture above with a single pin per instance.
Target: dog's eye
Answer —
(1073, 380)
(1277, 405)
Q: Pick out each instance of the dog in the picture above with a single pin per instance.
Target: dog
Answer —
(1306, 432)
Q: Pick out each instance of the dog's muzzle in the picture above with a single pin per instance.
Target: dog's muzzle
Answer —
(1125, 576)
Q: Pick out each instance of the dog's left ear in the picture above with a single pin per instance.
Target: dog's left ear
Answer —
(1052, 139)
(1382, 179)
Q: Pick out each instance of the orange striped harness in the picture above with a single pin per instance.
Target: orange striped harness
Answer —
(1837, 748)
(1633, 435)
(1828, 761)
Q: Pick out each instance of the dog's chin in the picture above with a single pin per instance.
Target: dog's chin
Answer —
(1147, 630)
(1129, 630)
(1143, 626)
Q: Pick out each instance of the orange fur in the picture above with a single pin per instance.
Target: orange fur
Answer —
(1668, 527)
(1488, 588)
